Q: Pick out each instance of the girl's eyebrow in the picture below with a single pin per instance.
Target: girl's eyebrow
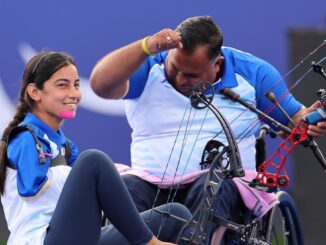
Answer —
(66, 80)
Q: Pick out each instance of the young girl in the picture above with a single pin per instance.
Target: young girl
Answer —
(45, 199)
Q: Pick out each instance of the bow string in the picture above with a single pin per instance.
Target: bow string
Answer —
(203, 218)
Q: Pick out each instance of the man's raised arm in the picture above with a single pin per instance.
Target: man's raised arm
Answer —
(110, 76)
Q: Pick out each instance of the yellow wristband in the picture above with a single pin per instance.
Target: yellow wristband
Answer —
(144, 46)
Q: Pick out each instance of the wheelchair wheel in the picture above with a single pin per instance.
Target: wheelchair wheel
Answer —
(284, 227)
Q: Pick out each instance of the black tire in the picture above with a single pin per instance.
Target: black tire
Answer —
(284, 227)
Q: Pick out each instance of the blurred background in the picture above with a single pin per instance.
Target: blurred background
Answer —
(281, 32)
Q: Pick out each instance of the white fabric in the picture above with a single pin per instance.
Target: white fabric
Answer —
(28, 218)
(158, 112)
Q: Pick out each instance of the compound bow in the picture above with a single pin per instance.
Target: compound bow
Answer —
(226, 159)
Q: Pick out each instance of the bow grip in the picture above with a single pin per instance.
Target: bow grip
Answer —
(315, 116)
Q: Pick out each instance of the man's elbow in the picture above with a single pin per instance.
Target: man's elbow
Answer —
(101, 87)
(106, 89)
(97, 85)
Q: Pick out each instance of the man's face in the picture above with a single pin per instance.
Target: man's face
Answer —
(184, 70)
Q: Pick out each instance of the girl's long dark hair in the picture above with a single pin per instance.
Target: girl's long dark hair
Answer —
(38, 70)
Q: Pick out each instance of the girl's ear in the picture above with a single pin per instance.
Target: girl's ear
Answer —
(33, 92)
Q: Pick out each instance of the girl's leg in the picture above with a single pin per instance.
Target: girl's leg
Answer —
(94, 185)
(169, 227)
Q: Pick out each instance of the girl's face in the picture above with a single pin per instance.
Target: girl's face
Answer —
(59, 97)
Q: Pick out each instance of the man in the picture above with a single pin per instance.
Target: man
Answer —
(155, 76)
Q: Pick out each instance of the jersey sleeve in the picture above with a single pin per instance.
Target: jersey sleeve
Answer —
(138, 80)
(269, 79)
(31, 173)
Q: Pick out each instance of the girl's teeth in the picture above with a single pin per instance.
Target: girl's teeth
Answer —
(70, 105)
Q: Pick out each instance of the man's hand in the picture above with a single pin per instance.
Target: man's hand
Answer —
(165, 39)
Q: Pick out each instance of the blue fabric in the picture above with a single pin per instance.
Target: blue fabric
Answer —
(31, 172)
(228, 204)
(94, 185)
(143, 194)
(69, 210)
(138, 80)
(263, 77)
(259, 73)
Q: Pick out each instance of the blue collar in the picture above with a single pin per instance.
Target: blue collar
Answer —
(39, 125)
(228, 78)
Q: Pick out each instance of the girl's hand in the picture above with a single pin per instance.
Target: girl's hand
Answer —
(155, 241)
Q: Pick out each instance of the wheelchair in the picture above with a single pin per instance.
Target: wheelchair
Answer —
(281, 225)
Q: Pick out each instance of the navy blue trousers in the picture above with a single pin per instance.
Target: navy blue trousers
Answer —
(228, 205)
(94, 185)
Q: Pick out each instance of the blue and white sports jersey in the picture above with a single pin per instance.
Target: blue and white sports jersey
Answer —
(32, 189)
(155, 112)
